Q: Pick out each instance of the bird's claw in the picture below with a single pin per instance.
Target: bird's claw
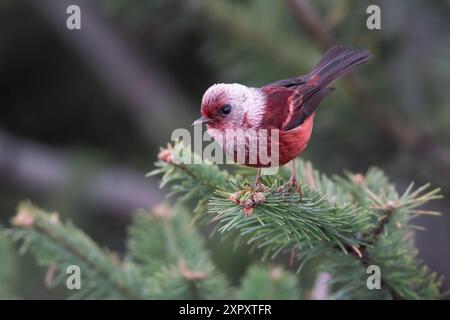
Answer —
(291, 185)
(259, 187)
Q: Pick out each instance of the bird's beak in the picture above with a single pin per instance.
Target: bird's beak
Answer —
(202, 120)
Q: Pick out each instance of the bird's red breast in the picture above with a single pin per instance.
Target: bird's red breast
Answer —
(283, 106)
(282, 111)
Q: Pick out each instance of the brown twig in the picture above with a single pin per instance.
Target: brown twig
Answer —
(361, 252)
(41, 170)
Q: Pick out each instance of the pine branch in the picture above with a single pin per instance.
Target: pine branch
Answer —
(166, 257)
(282, 222)
(332, 222)
(389, 244)
(60, 246)
(262, 283)
(178, 282)
(199, 183)
(348, 223)
(357, 214)
(169, 251)
(7, 268)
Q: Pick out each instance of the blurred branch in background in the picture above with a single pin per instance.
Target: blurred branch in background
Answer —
(408, 135)
(41, 170)
(149, 92)
(305, 14)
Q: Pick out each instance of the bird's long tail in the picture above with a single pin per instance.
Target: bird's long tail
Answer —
(337, 62)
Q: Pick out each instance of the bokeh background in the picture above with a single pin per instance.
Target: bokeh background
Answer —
(83, 113)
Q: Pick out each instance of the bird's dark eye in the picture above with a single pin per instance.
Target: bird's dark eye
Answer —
(225, 110)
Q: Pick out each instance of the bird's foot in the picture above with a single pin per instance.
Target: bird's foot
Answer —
(292, 185)
(258, 186)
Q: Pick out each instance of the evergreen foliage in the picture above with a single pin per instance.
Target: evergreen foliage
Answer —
(166, 258)
(58, 246)
(168, 250)
(347, 223)
(7, 268)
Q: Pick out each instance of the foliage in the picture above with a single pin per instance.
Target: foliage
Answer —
(58, 246)
(261, 282)
(162, 255)
(349, 222)
(7, 268)
(342, 223)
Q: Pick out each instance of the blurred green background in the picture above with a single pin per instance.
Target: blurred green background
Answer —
(84, 112)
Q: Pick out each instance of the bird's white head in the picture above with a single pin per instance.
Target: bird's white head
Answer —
(230, 106)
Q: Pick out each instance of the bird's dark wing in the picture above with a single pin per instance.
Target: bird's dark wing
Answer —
(304, 103)
(287, 109)
(307, 91)
(278, 107)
